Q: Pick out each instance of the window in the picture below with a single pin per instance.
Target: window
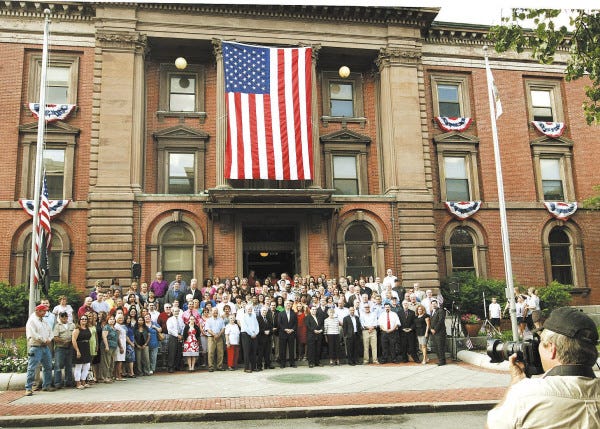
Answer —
(553, 168)
(544, 100)
(181, 92)
(59, 159)
(182, 168)
(58, 260)
(180, 160)
(465, 249)
(359, 251)
(457, 182)
(177, 251)
(346, 162)
(54, 164)
(462, 250)
(342, 98)
(551, 179)
(450, 95)
(345, 177)
(62, 78)
(563, 254)
(457, 163)
(560, 256)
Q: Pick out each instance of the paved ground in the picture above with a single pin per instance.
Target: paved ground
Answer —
(283, 393)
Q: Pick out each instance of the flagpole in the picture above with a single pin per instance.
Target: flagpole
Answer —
(510, 290)
(39, 158)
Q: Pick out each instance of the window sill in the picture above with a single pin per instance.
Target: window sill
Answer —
(161, 114)
(343, 120)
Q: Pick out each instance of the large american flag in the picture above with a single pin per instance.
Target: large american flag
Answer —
(43, 240)
(268, 98)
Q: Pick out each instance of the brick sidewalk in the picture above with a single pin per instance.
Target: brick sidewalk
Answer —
(249, 403)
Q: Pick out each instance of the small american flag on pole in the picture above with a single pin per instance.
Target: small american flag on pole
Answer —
(268, 98)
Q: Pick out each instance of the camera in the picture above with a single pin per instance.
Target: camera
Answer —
(527, 352)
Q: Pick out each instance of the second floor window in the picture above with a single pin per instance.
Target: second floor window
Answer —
(54, 163)
(457, 182)
(448, 98)
(345, 175)
(182, 167)
(541, 105)
(552, 183)
(341, 99)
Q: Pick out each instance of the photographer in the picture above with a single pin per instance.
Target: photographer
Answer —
(568, 394)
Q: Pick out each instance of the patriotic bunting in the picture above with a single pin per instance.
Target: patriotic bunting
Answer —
(268, 99)
(463, 209)
(562, 211)
(453, 124)
(55, 207)
(54, 112)
(551, 129)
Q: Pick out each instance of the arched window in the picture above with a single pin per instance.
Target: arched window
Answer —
(465, 250)
(54, 259)
(359, 251)
(177, 252)
(560, 255)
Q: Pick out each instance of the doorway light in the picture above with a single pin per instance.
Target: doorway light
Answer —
(264, 254)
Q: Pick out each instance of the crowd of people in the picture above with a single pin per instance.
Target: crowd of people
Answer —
(119, 334)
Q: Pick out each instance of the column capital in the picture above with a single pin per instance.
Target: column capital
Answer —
(123, 41)
(217, 48)
(397, 55)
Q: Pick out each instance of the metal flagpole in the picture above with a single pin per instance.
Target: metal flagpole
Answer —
(510, 290)
(39, 158)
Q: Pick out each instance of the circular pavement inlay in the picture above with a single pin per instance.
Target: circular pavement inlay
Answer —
(298, 377)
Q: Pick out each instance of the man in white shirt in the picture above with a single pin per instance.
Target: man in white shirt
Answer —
(418, 292)
(389, 323)
(175, 327)
(389, 279)
(39, 339)
(249, 334)
(369, 322)
(100, 305)
(426, 302)
(225, 302)
(153, 312)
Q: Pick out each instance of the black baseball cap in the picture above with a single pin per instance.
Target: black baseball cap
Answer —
(572, 323)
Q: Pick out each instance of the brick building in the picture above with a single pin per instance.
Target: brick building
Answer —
(142, 156)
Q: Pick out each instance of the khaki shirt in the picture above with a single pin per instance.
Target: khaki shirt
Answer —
(63, 334)
(549, 402)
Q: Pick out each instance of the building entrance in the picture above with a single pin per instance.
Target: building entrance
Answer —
(270, 249)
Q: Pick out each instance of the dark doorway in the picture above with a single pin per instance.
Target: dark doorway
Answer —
(270, 250)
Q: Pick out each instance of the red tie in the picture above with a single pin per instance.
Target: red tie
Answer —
(389, 326)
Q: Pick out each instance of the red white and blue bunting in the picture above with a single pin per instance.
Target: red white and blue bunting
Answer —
(55, 206)
(550, 129)
(54, 112)
(463, 209)
(453, 124)
(560, 210)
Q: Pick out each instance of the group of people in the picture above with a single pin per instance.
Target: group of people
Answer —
(118, 334)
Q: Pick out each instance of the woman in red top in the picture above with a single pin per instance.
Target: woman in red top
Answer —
(301, 336)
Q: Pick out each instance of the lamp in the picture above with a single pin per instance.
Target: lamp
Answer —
(181, 63)
(344, 72)
(264, 254)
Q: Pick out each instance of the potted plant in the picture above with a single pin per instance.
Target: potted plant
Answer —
(472, 323)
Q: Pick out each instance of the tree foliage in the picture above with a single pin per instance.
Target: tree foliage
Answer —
(466, 291)
(554, 295)
(581, 41)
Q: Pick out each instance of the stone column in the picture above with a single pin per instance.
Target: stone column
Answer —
(221, 138)
(401, 135)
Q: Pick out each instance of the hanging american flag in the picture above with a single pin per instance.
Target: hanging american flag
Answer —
(43, 241)
(268, 98)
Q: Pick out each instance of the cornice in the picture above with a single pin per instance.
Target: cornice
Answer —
(66, 11)
(412, 16)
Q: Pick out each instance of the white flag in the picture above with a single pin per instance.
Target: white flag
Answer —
(493, 90)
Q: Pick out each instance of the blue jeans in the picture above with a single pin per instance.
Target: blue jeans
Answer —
(63, 358)
(37, 355)
(153, 355)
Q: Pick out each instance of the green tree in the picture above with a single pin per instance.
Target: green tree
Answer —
(554, 295)
(466, 291)
(581, 41)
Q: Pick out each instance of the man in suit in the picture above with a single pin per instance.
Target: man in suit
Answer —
(265, 326)
(314, 337)
(438, 331)
(352, 331)
(408, 337)
(287, 326)
(175, 294)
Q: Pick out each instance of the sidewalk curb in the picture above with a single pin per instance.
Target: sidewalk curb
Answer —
(481, 360)
(231, 415)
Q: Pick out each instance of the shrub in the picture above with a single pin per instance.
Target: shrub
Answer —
(14, 302)
(553, 296)
(468, 297)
